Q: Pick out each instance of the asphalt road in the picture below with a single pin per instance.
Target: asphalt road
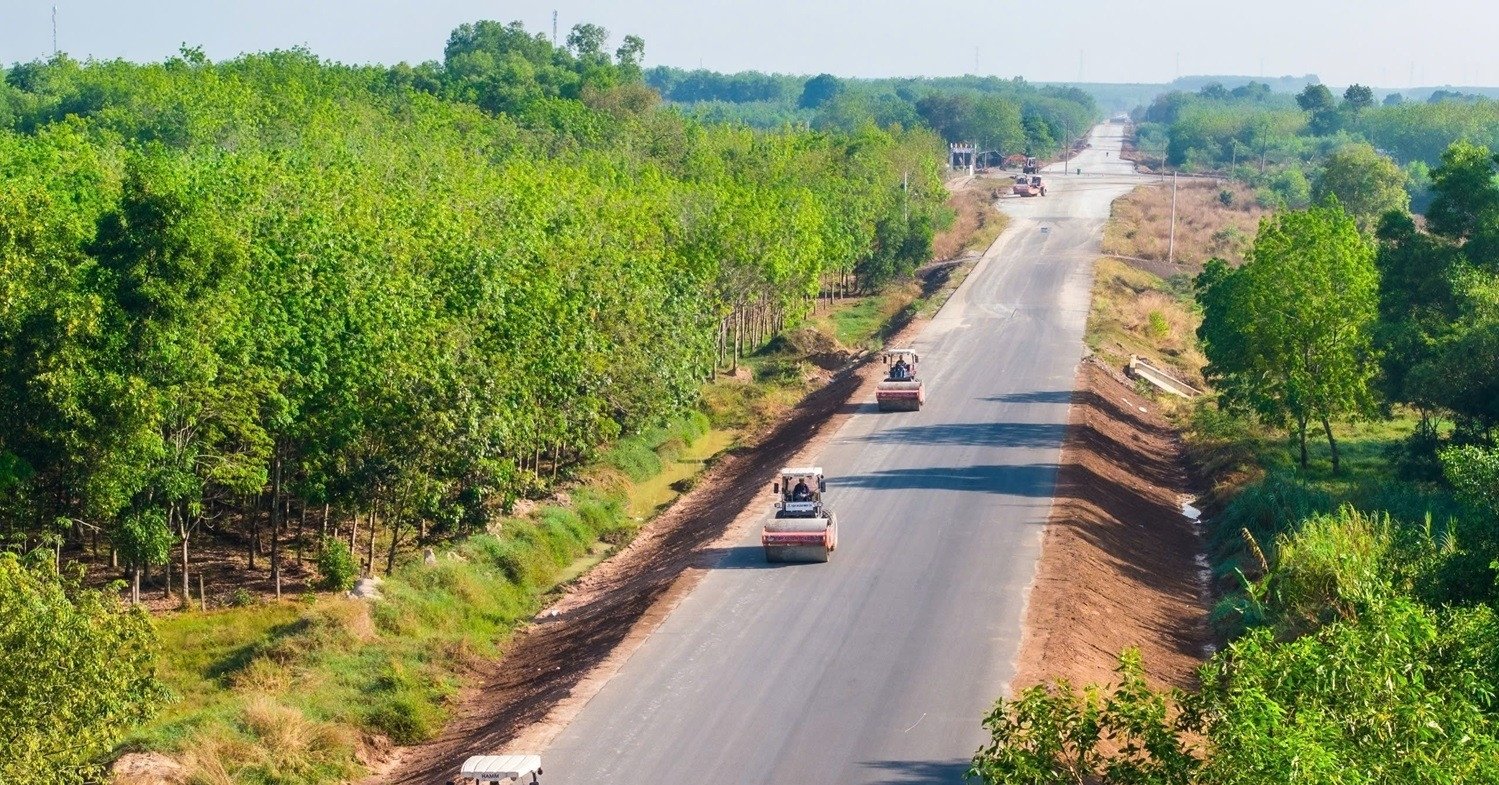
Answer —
(879, 666)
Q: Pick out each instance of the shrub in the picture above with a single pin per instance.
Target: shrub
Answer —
(634, 457)
(241, 598)
(1157, 326)
(336, 566)
(1334, 567)
(79, 671)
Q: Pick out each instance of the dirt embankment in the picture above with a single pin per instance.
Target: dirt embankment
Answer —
(1117, 566)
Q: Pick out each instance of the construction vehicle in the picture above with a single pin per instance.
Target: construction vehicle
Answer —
(901, 390)
(497, 769)
(803, 528)
(1030, 166)
(1030, 185)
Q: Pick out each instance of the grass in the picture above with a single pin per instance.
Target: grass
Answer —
(1135, 312)
(283, 692)
(856, 323)
(650, 496)
(1206, 224)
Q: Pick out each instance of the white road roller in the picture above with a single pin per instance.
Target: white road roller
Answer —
(803, 528)
(499, 770)
(901, 390)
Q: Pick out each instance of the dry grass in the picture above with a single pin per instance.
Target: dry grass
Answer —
(974, 210)
(1206, 226)
(1136, 312)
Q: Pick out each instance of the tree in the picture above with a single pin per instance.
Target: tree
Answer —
(1357, 98)
(1317, 101)
(79, 674)
(819, 90)
(1289, 335)
(1365, 183)
(1474, 474)
(1467, 195)
(587, 40)
(631, 52)
(1315, 98)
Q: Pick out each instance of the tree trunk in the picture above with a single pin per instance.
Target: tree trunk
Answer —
(254, 531)
(395, 539)
(135, 584)
(1301, 437)
(301, 524)
(276, 516)
(369, 553)
(354, 532)
(1332, 444)
(187, 591)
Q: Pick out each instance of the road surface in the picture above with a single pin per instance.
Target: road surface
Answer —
(879, 666)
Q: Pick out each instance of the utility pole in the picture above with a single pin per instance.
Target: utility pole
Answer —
(1171, 244)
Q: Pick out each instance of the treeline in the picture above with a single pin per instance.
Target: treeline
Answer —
(1360, 605)
(278, 298)
(1005, 115)
(1273, 140)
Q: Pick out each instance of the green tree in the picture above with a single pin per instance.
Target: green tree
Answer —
(819, 90)
(1365, 183)
(1357, 98)
(1318, 102)
(1289, 334)
(79, 674)
(1474, 474)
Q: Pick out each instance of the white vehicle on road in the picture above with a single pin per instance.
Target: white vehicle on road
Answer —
(497, 769)
(803, 529)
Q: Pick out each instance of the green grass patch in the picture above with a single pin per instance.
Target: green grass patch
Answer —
(648, 497)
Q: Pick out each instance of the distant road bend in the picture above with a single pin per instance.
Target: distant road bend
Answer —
(878, 666)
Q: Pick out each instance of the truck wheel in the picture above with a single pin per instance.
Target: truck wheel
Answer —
(1043, 191)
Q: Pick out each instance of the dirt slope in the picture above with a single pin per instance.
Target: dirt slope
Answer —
(1117, 564)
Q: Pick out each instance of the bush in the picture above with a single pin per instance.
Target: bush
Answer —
(336, 567)
(1158, 327)
(634, 457)
(1334, 568)
(241, 598)
(1267, 509)
(79, 672)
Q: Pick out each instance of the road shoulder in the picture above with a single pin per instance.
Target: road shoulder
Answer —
(1118, 564)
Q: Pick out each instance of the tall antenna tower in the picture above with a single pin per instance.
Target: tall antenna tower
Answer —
(554, 27)
(54, 31)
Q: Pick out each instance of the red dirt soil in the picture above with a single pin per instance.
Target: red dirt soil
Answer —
(1117, 565)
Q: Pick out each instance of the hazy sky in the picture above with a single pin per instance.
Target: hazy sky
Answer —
(1392, 43)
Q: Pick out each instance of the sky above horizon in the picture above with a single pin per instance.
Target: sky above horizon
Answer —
(1378, 42)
